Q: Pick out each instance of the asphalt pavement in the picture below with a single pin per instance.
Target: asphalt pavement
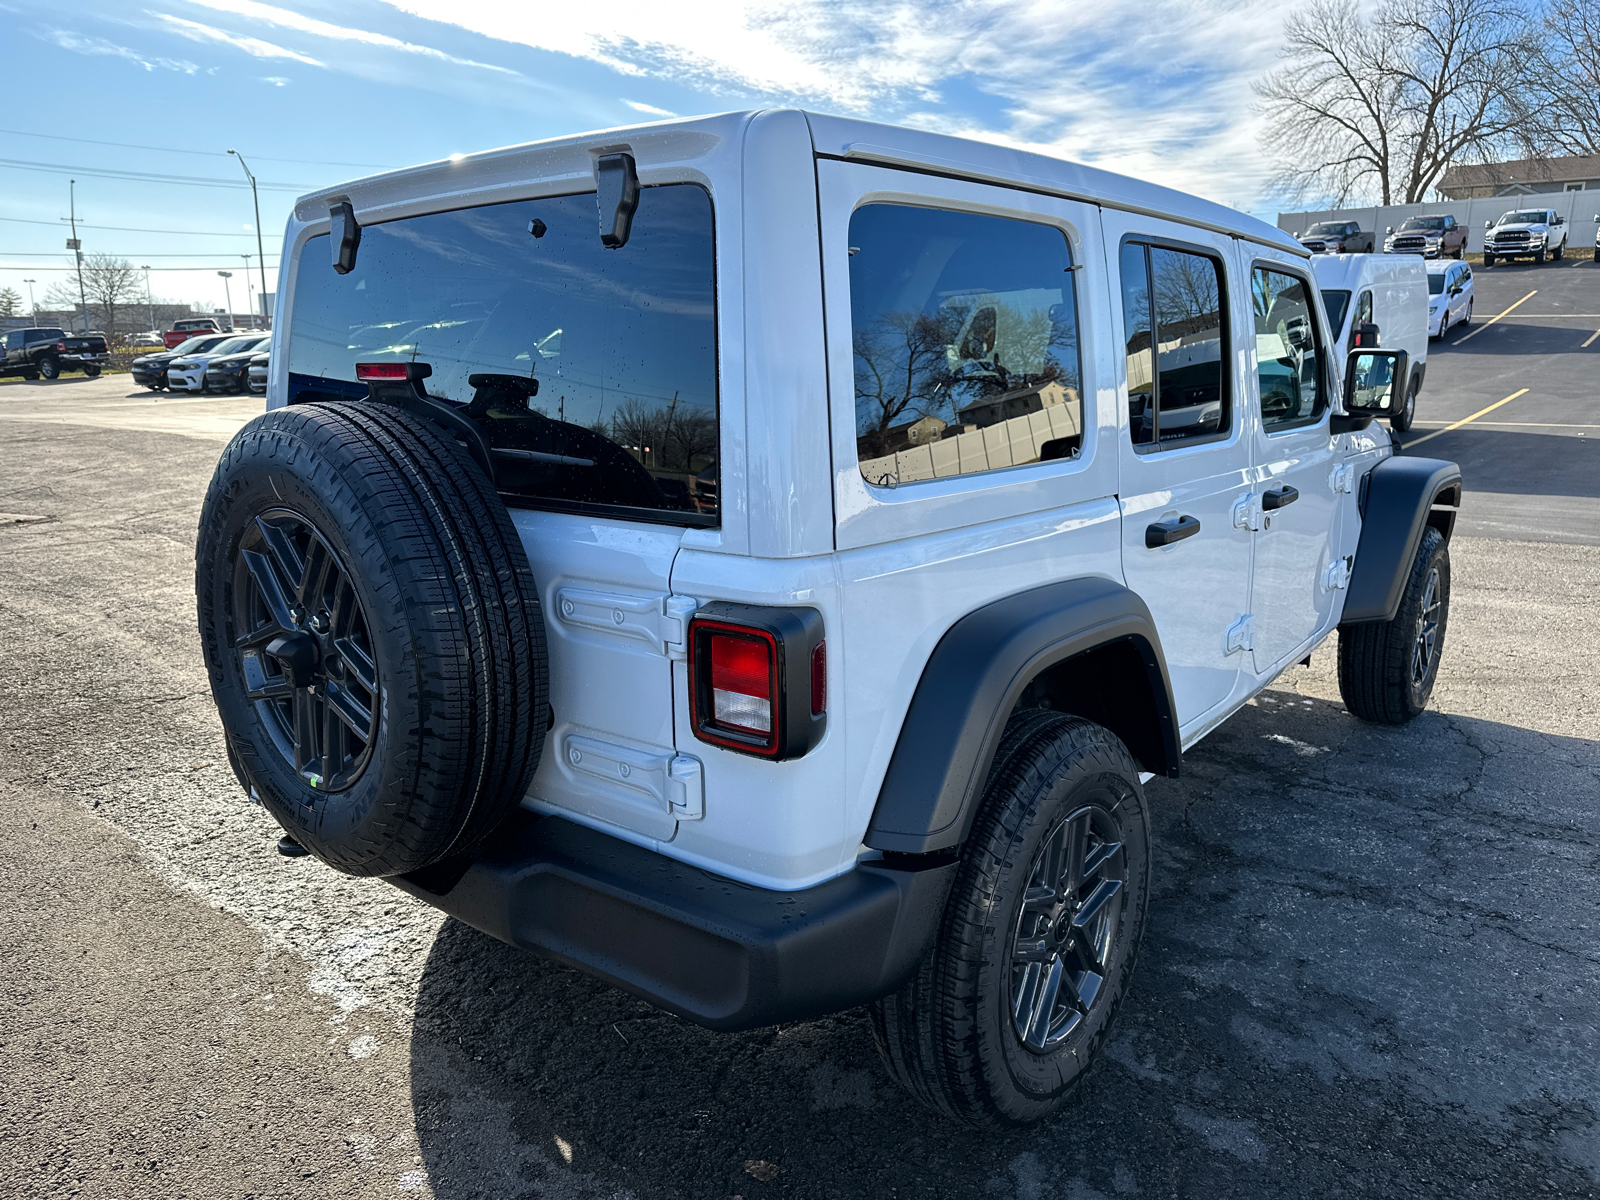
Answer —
(1372, 965)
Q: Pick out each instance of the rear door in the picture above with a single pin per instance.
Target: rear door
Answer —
(592, 373)
(1184, 454)
(1292, 503)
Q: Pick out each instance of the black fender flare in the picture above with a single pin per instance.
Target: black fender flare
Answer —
(973, 680)
(1400, 497)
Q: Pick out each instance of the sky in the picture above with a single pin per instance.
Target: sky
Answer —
(140, 100)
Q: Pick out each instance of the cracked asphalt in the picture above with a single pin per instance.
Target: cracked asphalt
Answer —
(1372, 965)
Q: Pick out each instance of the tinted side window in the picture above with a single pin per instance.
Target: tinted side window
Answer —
(592, 371)
(1288, 353)
(1364, 309)
(1173, 315)
(965, 334)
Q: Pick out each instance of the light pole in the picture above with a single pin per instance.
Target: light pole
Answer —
(261, 253)
(228, 292)
(249, 290)
(77, 249)
(32, 307)
(147, 301)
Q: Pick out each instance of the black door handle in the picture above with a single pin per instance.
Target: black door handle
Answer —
(1164, 533)
(1279, 497)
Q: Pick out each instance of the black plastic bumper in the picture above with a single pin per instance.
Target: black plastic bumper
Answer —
(721, 953)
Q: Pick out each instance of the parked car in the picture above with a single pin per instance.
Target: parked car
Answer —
(1536, 233)
(1388, 292)
(1449, 297)
(45, 353)
(188, 373)
(876, 728)
(258, 371)
(150, 370)
(1431, 237)
(1336, 237)
(182, 331)
(230, 372)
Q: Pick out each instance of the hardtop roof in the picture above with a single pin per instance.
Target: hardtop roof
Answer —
(832, 137)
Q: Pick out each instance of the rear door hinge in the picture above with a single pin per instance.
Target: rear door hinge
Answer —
(1336, 575)
(659, 621)
(1343, 477)
(1242, 634)
(1247, 512)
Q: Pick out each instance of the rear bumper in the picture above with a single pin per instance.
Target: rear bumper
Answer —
(721, 953)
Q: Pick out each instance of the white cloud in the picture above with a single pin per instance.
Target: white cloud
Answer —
(651, 109)
(92, 45)
(196, 32)
(286, 19)
(1160, 89)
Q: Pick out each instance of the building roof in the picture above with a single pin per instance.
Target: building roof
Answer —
(1522, 170)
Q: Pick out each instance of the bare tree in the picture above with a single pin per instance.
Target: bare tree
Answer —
(901, 373)
(109, 284)
(1565, 99)
(1380, 106)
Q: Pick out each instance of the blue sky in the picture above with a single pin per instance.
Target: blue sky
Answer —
(315, 91)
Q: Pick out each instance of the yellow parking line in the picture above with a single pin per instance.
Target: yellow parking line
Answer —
(1468, 420)
(1495, 318)
(1592, 336)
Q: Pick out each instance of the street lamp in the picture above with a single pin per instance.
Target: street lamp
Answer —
(248, 290)
(260, 250)
(228, 292)
(147, 301)
(32, 307)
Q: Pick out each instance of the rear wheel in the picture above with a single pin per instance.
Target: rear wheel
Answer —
(49, 367)
(92, 370)
(1559, 252)
(1039, 936)
(372, 633)
(1387, 669)
(1407, 412)
(1466, 317)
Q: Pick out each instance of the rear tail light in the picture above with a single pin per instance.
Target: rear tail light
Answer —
(366, 372)
(758, 678)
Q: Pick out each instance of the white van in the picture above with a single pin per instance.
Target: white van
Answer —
(1386, 290)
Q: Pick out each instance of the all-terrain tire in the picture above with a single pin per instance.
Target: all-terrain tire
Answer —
(1488, 260)
(949, 1036)
(49, 367)
(1387, 669)
(92, 370)
(440, 616)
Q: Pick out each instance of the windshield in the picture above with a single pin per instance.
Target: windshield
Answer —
(1337, 303)
(1422, 223)
(1327, 229)
(1435, 283)
(233, 345)
(1536, 216)
(592, 372)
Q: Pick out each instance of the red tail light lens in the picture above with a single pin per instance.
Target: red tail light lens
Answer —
(384, 370)
(742, 670)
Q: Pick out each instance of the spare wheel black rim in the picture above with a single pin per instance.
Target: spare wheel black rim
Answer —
(305, 650)
(1067, 932)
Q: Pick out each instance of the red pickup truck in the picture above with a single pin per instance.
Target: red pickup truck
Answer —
(182, 331)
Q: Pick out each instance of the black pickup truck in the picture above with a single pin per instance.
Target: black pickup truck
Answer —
(46, 353)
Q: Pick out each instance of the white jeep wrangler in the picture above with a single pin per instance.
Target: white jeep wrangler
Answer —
(757, 560)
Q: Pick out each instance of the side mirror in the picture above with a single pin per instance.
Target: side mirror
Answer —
(1373, 379)
(1387, 229)
(1364, 336)
(1490, 224)
(345, 236)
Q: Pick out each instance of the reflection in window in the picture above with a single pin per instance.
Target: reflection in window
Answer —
(965, 335)
(592, 371)
(1288, 359)
(1172, 310)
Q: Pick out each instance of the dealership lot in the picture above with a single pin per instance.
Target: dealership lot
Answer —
(1372, 966)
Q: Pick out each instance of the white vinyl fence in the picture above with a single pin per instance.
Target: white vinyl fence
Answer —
(1579, 208)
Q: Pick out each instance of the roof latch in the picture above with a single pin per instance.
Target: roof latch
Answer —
(617, 192)
(346, 236)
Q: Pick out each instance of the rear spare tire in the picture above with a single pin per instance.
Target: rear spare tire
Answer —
(372, 633)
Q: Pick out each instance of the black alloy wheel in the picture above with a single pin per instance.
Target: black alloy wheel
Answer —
(1387, 669)
(305, 650)
(1064, 933)
(1425, 649)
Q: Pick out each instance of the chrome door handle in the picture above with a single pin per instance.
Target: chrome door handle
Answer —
(1164, 533)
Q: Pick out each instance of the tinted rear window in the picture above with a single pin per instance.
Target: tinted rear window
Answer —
(1337, 302)
(621, 343)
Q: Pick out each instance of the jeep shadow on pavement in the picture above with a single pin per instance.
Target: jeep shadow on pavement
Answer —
(758, 561)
